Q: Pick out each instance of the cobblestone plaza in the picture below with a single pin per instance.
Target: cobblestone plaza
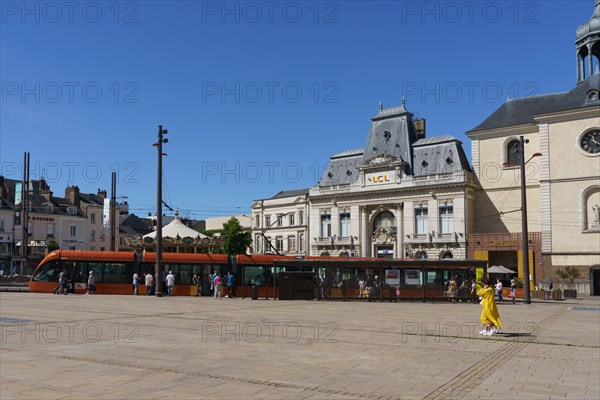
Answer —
(118, 347)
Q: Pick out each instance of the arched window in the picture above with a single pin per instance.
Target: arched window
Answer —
(385, 220)
(421, 254)
(513, 152)
(446, 255)
(325, 254)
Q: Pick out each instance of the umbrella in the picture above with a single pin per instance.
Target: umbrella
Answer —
(499, 269)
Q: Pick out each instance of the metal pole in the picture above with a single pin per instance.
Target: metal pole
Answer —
(158, 266)
(524, 233)
(113, 203)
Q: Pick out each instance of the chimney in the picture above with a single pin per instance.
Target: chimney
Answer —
(420, 128)
(72, 194)
(47, 193)
(102, 193)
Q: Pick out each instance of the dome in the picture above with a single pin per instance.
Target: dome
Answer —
(591, 26)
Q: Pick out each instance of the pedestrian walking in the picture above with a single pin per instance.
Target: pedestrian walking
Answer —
(490, 318)
(62, 282)
(91, 286)
(218, 283)
(230, 285)
(136, 283)
(513, 290)
(499, 288)
(170, 280)
(149, 281)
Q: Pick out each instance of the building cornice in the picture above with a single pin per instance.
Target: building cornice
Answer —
(503, 131)
(569, 115)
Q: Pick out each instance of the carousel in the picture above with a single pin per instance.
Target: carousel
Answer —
(177, 238)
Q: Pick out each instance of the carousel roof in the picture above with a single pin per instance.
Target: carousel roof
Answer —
(175, 229)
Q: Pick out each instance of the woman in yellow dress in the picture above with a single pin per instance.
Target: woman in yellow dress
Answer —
(489, 313)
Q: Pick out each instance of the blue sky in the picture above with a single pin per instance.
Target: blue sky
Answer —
(256, 95)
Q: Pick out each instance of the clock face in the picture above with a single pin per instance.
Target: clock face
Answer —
(590, 141)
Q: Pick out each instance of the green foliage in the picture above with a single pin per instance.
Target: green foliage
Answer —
(237, 241)
(208, 233)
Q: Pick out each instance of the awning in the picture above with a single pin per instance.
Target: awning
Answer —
(499, 269)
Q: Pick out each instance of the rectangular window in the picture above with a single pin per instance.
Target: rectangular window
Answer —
(1, 225)
(29, 229)
(279, 220)
(292, 220)
(50, 229)
(292, 244)
(93, 218)
(93, 236)
(345, 224)
(446, 219)
(267, 221)
(258, 221)
(279, 243)
(301, 217)
(326, 225)
(421, 221)
(72, 230)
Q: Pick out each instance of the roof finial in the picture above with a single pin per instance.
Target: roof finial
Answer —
(380, 106)
(403, 102)
(176, 212)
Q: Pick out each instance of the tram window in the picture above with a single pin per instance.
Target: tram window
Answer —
(116, 273)
(47, 273)
(95, 266)
(184, 277)
(80, 273)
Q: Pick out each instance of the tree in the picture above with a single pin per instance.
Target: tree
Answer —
(236, 240)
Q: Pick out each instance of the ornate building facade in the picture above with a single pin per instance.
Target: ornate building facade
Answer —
(403, 195)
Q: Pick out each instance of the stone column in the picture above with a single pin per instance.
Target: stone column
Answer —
(400, 230)
(364, 232)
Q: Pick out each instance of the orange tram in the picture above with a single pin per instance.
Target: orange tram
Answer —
(260, 275)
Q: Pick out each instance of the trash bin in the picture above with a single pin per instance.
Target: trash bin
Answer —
(254, 292)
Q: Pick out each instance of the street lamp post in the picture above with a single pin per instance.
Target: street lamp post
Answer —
(158, 266)
(524, 232)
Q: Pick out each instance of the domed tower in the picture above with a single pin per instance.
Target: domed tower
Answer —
(588, 46)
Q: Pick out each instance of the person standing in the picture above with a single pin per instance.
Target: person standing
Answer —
(170, 283)
(218, 283)
(136, 283)
(149, 281)
(91, 287)
(499, 288)
(490, 318)
(452, 289)
(197, 283)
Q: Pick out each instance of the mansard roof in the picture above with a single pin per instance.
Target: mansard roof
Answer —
(342, 169)
(290, 193)
(524, 110)
(439, 155)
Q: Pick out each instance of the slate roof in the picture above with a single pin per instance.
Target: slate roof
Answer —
(523, 111)
(439, 155)
(290, 193)
(342, 170)
(133, 224)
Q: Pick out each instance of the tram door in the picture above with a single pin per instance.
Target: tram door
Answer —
(385, 252)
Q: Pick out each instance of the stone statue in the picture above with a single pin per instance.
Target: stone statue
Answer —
(596, 209)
